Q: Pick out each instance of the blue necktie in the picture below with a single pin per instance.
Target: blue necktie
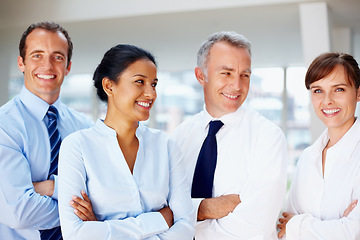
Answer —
(205, 167)
(55, 141)
(54, 138)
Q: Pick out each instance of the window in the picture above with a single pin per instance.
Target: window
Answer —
(277, 93)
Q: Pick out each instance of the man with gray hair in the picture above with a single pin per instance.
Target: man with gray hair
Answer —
(235, 158)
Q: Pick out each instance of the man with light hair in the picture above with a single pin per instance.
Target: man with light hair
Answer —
(235, 158)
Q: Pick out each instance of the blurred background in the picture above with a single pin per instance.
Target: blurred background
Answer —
(286, 36)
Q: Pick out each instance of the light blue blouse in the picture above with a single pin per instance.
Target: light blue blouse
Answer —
(125, 204)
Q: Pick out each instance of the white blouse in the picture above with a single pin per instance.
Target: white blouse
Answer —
(320, 201)
(125, 204)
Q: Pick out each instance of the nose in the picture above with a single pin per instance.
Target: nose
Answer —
(236, 83)
(47, 62)
(328, 99)
(150, 92)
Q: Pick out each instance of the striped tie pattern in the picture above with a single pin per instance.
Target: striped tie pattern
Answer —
(55, 141)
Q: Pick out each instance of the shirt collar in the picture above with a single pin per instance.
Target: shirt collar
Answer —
(36, 105)
(227, 119)
(111, 132)
(349, 140)
(346, 145)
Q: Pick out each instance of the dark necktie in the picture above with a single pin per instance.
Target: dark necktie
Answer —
(205, 167)
(55, 141)
(54, 138)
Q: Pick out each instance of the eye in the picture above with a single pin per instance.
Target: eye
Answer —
(339, 90)
(245, 75)
(317, 91)
(140, 81)
(226, 73)
(59, 58)
(154, 84)
(36, 55)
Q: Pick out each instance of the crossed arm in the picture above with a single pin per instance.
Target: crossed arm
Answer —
(217, 207)
(83, 209)
(45, 188)
(287, 216)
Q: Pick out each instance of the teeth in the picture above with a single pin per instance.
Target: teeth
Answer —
(45, 76)
(330, 111)
(144, 104)
(230, 96)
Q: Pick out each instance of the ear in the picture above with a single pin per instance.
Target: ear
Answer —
(200, 76)
(21, 64)
(108, 86)
(68, 69)
(358, 95)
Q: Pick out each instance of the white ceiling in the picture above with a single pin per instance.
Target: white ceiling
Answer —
(173, 33)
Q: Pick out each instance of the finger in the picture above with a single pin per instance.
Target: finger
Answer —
(351, 207)
(80, 208)
(282, 220)
(80, 215)
(82, 202)
(285, 214)
(85, 197)
(281, 233)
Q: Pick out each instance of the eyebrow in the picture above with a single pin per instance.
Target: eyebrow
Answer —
(336, 85)
(41, 51)
(141, 75)
(232, 69)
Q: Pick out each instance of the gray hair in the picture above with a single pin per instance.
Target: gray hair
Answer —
(233, 38)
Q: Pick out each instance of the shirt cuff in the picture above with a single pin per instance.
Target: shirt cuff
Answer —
(153, 223)
(196, 203)
(293, 226)
(55, 193)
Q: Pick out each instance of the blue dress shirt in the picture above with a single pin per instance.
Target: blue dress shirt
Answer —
(126, 204)
(25, 158)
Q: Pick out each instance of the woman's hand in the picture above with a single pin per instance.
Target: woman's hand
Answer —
(83, 208)
(350, 208)
(283, 221)
(168, 215)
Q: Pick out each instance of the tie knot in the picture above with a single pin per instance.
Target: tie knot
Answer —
(52, 113)
(214, 127)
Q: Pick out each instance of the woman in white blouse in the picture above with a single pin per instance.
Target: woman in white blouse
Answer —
(132, 174)
(324, 194)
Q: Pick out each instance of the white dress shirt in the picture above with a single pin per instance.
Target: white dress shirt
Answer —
(251, 162)
(125, 204)
(320, 201)
(25, 158)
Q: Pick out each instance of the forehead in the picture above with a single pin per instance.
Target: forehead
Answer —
(41, 39)
(227, 54)
(337, 76)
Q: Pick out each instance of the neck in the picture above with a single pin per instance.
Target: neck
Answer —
(125, 129)
(335, 134)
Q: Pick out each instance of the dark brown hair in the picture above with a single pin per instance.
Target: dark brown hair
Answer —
(49, 26)
(324, 64)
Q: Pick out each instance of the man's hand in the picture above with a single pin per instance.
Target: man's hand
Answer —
(44, 188)
(168, 215)
(83, 208)
(283, 221)
(217, 207)
(350, 208)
